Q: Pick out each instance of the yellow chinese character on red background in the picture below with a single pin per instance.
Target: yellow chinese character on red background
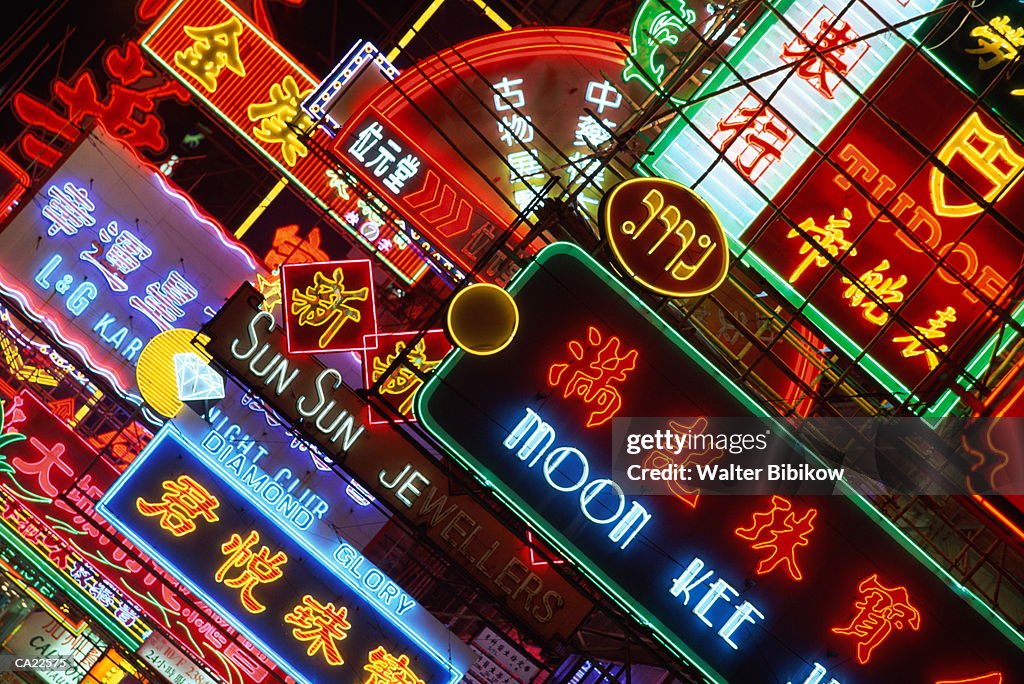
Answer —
(385, 668)
(215, 48)
(257, 568)
(831, 238)
(183, 501)
(322, 626)
(884, 287)
(989, 153)
(326, 303)
(281, 121)
(997, 42)
(403, 379)
(881, 610)
(934, 331)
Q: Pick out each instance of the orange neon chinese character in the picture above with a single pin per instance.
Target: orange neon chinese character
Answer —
(320, 625)
(988, 153)
(215, 48)
(998, 42)
(831, 238)
(835, 49)
(326, 302)
(780, 531)
(403, 380)
(182, 502)
(760, 136)
(385, 668)
(257, 568)
(935, 330)
(281, 120)
(885, 288)
(594, 373)
(289, 248)
(990, 678)
(880, 611)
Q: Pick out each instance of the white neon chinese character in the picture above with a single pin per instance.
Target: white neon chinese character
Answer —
(600, 95)
(68, 210)
(508, 96)
(516, 130)
(382, 162)
(591, 132)
(406, 169)
(366, 140)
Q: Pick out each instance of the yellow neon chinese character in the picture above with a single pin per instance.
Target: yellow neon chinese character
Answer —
(326, 302)
(884, 287)
(403, 379)
(989, 153)
(281, 119)
(257, 568)
(831, 238)
(182, 502)
(934, 331)
(997, 40)
(215, 48)
(270, 288)
(320, 625)
(385, 668)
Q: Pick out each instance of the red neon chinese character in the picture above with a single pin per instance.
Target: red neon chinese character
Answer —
(126, 113)
(50, 457)
(289, 248)
(384, 668)
(827, 49)
(880, 611)
(753, 137)
(594, 371)
(182, 502)
(781, 532)
(257, 568)
(320, 625)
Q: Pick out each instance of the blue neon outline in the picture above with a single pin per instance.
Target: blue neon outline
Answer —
(125, 529)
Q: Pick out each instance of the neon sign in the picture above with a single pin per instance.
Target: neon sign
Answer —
(398, 475)
(116, 260)
(683, 226)
(722, 601)
(498, 83)
(251, 576)
(756, 131)
(979, 47)
(401, 384)
(329, 307)
(256, 88)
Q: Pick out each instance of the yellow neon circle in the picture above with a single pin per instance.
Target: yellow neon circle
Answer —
(483, 319)
(154, 371)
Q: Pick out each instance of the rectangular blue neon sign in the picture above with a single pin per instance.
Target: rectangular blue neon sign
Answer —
(272, 586)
